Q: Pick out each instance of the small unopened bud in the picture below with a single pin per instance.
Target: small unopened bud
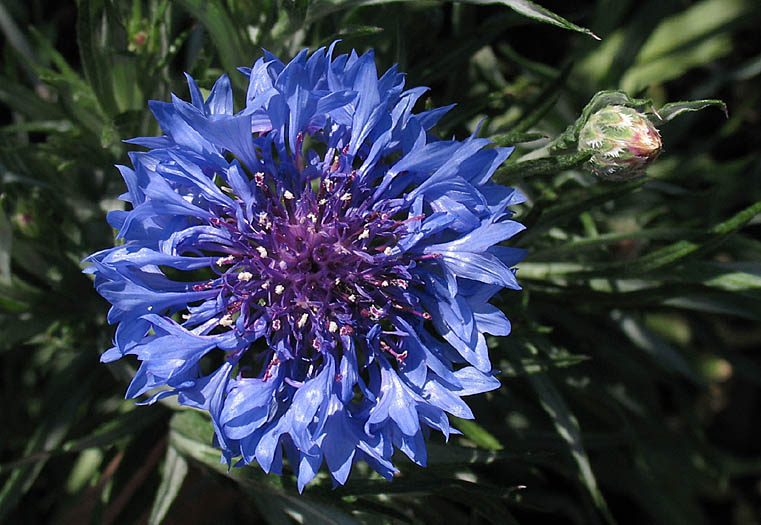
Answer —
(623, 140)
(139, 39)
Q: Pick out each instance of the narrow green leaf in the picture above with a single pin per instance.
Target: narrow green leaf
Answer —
(674, 109)
(593, 196)
(38, 126)
(539, 69)
(650, 73)
(537, 12)
(568, 428)
(304, 510)
(691, 38)
(6, 243)
(116, 428)
(718, 303)
(58, 60)
(539, 107)
(191, 433)
(739, 277)
(351, 31)
(537, 365)
(271, 509)
(109, 136)
(477, 434)
(516, 137)
(51, 432)
(507, 173)
(681, 249)
(175, 470)
(92, 53)
(647, 263)
(14, 36)
(451, 454)
(252, 479)
(214, 16)
(85, 470)
(106, 434)
(575, 245)
(482, 502)
(662, 353)
(544, 103)
(26, 102)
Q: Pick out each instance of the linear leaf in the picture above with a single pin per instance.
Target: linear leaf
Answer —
(6, 242)
(321, 8)
(659, 350)
(175, 470)
(537, 12)
(539, 107)
(191, 432)
(568, 428)
(507, 173)
(106, 434)
(681, 249)
(214, 16)
(51, 432)
(645, 264)
(516, 137)
(575, 245)
(123, 425)
(94, 61)
(477, 434)
(674, 109)
(451, 454)
(691, 38)
(597, 195)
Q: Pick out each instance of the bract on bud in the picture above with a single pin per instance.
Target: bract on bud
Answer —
(623, 140)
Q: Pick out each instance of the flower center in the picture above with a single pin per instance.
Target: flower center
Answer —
(315, 266)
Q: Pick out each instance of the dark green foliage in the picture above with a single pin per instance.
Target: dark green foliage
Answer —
(632, 380)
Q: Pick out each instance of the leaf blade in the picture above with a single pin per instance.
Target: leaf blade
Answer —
(175, 470)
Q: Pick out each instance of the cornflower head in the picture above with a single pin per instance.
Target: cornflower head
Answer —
(313, 271)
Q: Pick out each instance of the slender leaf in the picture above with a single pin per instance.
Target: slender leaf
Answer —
(175, 470)
(477, 434)
(321, 8)
(537, 12)
(674, 109)
(685, 40)
(6, 244)
(451, 454)
(215, 17)
(510, 138)
(680, 249)
(50, 433)
(93, 54)
(568, 428)
(191, 435)
(660, 351)
(508, 172)
(128, 423)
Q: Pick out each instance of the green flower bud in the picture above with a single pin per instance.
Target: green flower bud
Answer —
(623, 140)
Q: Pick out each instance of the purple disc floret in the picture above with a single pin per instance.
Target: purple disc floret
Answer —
(313, 271)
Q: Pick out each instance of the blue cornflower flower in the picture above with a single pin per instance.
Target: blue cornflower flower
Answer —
(313, 271)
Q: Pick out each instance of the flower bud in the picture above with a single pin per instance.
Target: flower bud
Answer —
(623, 140)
